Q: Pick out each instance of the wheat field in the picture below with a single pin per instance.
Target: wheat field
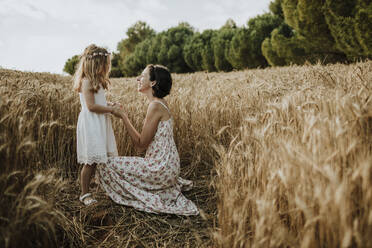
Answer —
(280, 157)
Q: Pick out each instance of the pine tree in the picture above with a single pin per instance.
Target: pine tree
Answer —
(172, 45)
(276, 8)
(115, 69)
(70, 65)
(221, 46)
(363, 20)
(198, 51)
(165, 48)
(311, 39)
(245, 47)
(311, 29)
(192, 52)
(207, 53)
(137, 33)
(349, 22)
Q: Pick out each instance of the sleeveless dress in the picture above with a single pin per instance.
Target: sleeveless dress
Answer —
(95, 137)
(151, 184)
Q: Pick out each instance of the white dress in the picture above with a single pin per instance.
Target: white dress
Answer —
(95, 137)
(152, 183)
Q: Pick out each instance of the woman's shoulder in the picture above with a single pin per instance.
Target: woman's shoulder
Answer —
(154, 107)
(159, 108)
(159, 105)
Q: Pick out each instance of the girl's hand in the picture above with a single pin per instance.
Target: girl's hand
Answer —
(118, 112)
(114, 104)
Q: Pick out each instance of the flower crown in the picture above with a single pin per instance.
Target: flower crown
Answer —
(97, 54)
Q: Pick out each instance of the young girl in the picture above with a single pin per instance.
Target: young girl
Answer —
(95, 137)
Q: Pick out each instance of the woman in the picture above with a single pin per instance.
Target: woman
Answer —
(152, 183)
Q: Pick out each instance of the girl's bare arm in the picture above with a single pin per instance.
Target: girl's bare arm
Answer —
(89, 100)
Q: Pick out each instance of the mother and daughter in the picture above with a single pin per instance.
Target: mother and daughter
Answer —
(149, 183)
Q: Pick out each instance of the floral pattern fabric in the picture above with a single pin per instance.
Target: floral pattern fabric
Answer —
(149, 183)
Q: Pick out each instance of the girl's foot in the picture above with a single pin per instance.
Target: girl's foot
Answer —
(87, 199)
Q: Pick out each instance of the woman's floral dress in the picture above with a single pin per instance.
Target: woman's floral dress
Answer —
(152, 183)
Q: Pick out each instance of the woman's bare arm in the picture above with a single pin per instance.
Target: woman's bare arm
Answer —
(143, 139)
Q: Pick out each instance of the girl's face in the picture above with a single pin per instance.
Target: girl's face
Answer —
(143, 80)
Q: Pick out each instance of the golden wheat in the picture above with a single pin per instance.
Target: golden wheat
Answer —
(281, 157)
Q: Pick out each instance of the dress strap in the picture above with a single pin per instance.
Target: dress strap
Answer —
(165, 106)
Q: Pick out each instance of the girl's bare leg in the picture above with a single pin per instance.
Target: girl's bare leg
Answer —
(85, 176)
(95, 179)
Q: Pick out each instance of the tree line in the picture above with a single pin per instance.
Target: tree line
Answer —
(292, 32)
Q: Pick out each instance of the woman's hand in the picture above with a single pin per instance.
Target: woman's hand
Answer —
(114, 104)
(118, 112)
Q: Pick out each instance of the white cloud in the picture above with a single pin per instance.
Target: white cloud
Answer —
(42, 34)
(23, 8)
(152, 6)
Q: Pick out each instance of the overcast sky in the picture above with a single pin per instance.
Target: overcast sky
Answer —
(40, 35)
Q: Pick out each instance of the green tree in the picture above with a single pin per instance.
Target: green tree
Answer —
(363, 20)
(270, 54)
(221, 45)
(349, 22)
(276, 9)
(137, 33)
(311, 29)
(277, 49)
(207, 52)
(285, 50)
(198, 52)
(312, 39)
(172, 45)
(136, 61)
(165, 48)
(115, 69)
(70, 65)
(229, 24)
(245, 47)
(192, 52)
(154, 49)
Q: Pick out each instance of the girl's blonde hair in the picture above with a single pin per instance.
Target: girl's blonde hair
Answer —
(94, 65)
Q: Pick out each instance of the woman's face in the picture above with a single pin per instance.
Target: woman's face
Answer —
(143, 80)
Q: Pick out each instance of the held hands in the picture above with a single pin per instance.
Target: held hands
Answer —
(114, 104)
(116, 108)
(118, 111)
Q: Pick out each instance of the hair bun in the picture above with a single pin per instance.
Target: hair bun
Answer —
(163, 80)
